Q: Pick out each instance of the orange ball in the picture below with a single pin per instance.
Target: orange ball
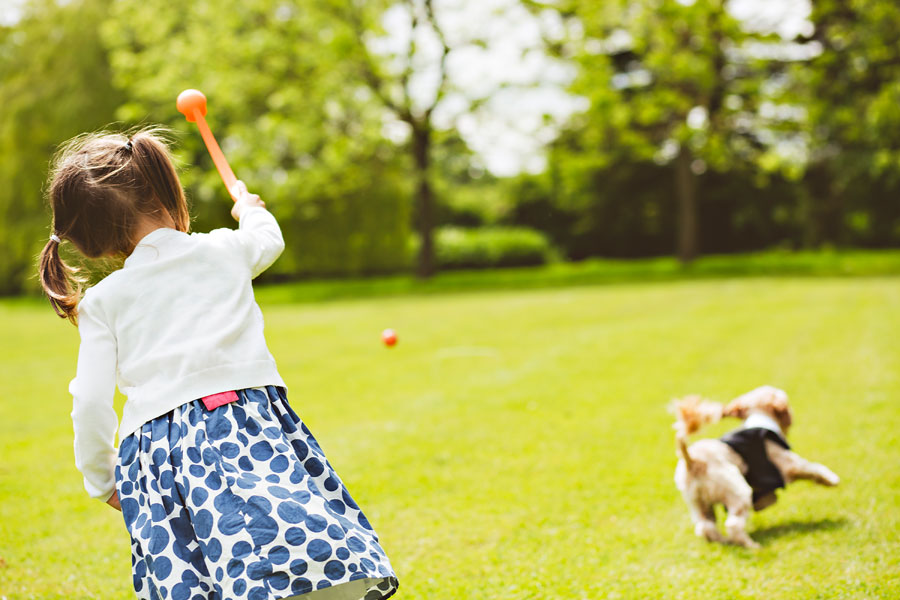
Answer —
(389, 337)
(190, 100)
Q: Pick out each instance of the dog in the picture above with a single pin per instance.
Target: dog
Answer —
(743, 469)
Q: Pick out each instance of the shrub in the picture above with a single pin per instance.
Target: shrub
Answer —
(489, 247)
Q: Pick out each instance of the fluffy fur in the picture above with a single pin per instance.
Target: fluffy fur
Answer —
(709, 472)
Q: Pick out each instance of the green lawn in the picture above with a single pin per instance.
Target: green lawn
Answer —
(516, 444)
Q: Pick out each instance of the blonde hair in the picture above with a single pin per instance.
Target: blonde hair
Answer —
(100, 186)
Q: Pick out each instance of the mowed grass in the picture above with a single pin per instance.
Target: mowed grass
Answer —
(516, 444)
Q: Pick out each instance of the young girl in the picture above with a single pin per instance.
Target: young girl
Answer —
(223, 489)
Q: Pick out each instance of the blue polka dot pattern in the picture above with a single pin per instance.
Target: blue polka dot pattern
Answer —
(240, 502)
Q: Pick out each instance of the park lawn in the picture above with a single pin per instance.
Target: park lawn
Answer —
(515, 444)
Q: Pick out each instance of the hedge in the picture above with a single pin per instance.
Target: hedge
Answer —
(489, 247)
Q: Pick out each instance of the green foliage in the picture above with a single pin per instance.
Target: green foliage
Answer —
(507, 426)
(292, 113)
(468, 195)
(54, 84)
(630, 212)
(851, 91)
(490, 247)
(784, 152)
(667, 83)
(645, 65)
(359, 230)
(852, 88)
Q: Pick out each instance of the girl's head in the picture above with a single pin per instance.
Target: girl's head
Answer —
(102, 185)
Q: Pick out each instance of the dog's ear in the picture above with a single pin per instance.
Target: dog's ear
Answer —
(782, 414)
(771, 400)
(776, 404)
(737, 408)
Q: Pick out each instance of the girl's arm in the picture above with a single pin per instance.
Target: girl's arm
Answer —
(259, 234)
(93, 416)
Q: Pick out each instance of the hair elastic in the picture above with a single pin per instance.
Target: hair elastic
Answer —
(55, 238)
(128, 145)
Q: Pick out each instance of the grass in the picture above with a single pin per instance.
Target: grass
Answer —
(515, 444)
(833, 263)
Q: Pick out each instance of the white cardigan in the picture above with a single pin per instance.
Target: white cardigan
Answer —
(176, 323)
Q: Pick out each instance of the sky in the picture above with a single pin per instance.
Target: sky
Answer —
(520, 80)
(10, 11)
(510, 130)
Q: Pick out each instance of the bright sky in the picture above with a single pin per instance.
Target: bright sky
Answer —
(10, 11)
(521, 82)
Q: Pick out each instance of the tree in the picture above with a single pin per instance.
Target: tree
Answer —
(667, 82)
(412, 79)
(366, 106)
(851, 91)
(55, 82)
(291, 113)
(396, 95)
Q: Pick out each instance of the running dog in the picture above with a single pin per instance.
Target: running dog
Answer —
(743, 469)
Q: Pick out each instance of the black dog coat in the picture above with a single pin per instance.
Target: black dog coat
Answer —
(750, 443)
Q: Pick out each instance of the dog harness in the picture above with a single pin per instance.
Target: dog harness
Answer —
(750, 443)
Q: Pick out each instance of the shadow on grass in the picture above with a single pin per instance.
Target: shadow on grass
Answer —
(791, 527)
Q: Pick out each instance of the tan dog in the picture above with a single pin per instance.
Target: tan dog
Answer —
(743, 469)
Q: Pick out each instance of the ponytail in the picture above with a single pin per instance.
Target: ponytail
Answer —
(101, 185)
(56, 279)
(151, 159)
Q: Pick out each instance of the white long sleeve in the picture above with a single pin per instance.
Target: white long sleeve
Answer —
(93, 389)
(262, 243)
(176, 323)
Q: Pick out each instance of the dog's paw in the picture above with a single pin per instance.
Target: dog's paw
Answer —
(740, 538)
(708, 531)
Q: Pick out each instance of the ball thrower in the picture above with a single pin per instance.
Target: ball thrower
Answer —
(192, 104)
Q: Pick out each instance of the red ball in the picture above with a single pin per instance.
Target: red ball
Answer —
(389, 337)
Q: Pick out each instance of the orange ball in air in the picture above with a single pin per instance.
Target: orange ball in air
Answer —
(389, 337)
(190, 100)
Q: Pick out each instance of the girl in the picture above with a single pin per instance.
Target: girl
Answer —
(223, 489)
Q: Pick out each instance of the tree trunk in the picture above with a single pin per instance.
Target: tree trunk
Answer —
(806, 217)
(822, 207)
(424, 200)
(686, 192)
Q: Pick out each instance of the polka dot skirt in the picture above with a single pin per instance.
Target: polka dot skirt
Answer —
(240, 502)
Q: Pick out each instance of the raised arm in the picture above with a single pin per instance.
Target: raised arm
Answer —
(259, 234)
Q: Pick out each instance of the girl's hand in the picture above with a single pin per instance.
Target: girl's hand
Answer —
(244, 200)
(114, 501)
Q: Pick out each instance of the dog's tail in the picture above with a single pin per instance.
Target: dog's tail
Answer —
(692, 413)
